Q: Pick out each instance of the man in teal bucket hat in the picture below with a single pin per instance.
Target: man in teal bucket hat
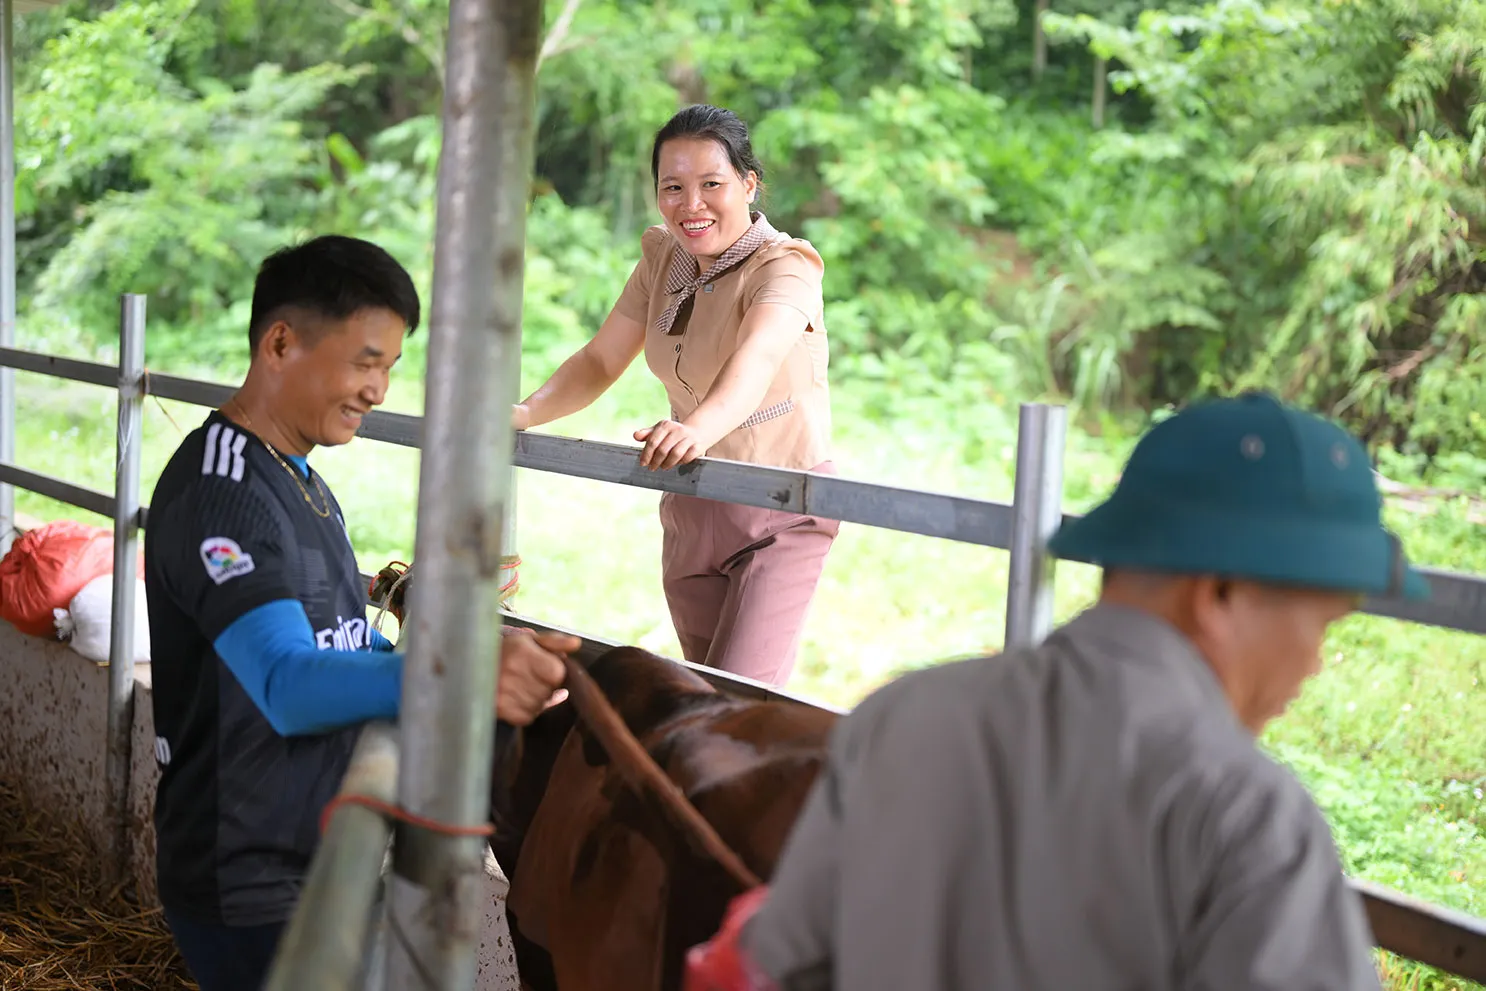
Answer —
(1095, 812)
(1247, 488)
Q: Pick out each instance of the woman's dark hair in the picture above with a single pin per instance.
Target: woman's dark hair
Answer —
(704, 121)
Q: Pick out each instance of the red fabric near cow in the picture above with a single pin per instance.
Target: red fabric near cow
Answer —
(606, 892)
(46, 567)
(721, 964)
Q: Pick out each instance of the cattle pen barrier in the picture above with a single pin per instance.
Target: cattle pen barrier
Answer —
(1427, 933)
(474, 342)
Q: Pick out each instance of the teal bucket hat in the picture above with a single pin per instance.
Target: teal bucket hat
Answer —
(1247, 488)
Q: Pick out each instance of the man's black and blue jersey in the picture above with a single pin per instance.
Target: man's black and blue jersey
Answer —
(263, 666)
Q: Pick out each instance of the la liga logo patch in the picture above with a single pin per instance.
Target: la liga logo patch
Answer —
(224, 559)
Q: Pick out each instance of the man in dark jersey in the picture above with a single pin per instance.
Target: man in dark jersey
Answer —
(264, 663)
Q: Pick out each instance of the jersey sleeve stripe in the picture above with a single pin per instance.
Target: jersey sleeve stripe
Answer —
(237, 457)
(209, 455)
(224, 452)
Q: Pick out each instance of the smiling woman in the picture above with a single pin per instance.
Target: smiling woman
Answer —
(728, 312)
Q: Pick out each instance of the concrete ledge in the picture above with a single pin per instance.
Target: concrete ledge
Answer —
(53, 713)
(53, 716)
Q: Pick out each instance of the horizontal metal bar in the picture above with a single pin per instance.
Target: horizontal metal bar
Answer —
(393, 428)
(1457, 602)
(187, 390)
(63, 368)
(74, 495)
(1432, 935)
(165, 386)
(973, 521)
(54, 488)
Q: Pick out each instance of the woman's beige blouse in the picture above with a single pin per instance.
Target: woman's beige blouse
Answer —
(792, 426)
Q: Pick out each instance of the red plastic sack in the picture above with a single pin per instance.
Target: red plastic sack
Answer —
(46, 567)
(720, 964)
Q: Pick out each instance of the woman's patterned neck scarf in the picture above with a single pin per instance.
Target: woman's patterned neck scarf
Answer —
(683, 281)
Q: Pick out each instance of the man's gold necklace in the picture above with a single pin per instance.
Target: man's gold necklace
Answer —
(324, 497)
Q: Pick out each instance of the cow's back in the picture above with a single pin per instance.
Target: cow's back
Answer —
(604, 880)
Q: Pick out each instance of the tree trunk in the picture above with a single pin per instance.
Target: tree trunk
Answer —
(1039, 41)
(1101, 88)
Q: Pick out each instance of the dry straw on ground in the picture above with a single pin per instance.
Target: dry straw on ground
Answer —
(60, 928)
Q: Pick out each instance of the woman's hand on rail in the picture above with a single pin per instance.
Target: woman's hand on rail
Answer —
(669, 443)
(520, 416)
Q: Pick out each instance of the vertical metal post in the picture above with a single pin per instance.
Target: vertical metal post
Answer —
(448, 703)
(1037, 509)
(7, 263)
(126, 551)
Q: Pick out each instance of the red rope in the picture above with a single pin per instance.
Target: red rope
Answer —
(401, 815)
(510, 565)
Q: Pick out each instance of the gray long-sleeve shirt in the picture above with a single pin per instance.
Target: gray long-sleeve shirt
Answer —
(1088, 814)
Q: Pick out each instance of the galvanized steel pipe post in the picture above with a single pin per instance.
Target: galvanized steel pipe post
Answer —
(1036, 511)
(7, 263)
(130, 437)
(448, 717)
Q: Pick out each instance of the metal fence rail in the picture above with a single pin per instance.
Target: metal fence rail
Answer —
(1458, 602)
(974, 521)
(54, 488)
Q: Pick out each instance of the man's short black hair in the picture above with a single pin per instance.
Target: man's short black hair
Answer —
(331, 277)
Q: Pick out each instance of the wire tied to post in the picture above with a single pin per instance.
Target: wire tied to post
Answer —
(399, 814)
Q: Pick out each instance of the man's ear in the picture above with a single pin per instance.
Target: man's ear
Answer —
(277, 341)
(1206, 597)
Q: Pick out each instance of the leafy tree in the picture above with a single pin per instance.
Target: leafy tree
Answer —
(173, 191)
(1331, 198)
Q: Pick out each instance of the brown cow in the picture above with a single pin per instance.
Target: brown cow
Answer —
(606, 891)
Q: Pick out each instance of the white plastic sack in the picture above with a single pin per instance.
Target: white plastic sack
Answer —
(84, 624)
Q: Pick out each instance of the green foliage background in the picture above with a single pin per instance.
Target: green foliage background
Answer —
(1149, 203)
